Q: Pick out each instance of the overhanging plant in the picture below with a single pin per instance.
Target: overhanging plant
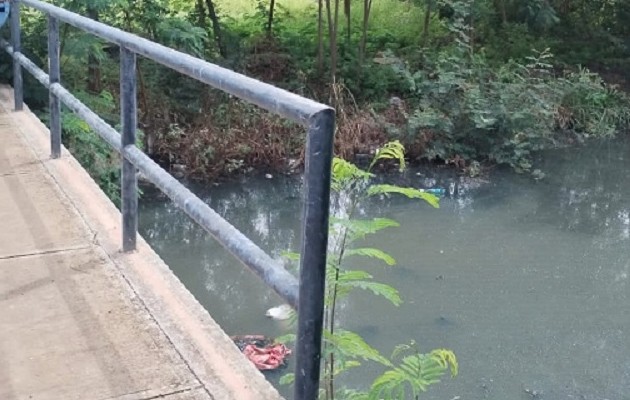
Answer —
(408, 372)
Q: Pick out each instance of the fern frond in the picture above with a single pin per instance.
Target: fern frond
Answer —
(392, 150)
(343, 364)
(291, 255)
(344, 173)
(351, 345)
(288, 338)
(402, 348)
(351, 394)
(411, 193)
(287, 379)
(359, 228)
(373, 253)
(351, 279)
(387, 385)
(379, 289)
(346, 276)
(414, 374)
(447, 359)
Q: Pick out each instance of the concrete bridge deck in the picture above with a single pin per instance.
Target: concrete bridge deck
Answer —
(81, 320)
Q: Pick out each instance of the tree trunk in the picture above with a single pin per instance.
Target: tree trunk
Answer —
(272, 5)
(499, 5)
(320, 37)
(427, 21)
(472, 34)
(332, 39)
(201, 14)
(94, 82)
(367, 7)
(216, 28)
(346, 10)
(333, 44)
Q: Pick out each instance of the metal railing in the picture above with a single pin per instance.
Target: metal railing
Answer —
(319, 120)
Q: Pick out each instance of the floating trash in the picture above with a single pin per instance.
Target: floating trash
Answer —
(262, 352)
(435, 191)
(281, 312)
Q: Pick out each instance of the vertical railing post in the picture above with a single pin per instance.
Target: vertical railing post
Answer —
(316, 203)
(54, 74)
(128, 117)
(18, 94)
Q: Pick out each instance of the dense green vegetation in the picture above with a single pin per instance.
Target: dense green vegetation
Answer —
(466, 82)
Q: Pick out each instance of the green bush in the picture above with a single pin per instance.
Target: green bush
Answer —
(96, 156)
(464, 108)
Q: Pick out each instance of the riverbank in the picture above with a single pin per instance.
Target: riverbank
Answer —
(466, 84)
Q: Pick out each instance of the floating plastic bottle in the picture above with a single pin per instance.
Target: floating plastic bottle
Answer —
(435, 191)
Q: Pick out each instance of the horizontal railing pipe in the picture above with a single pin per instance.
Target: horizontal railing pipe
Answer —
(38, 73)
(102, 128)
(252, 256)
(274, 274)
(276, 100)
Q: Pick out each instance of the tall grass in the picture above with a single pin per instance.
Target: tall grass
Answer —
(396, 18)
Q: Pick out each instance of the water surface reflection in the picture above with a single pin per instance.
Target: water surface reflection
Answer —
(526, 281)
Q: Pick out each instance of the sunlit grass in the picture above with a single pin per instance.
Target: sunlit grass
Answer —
(402, 19)
(236, 8)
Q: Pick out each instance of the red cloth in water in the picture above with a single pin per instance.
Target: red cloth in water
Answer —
(269, 357)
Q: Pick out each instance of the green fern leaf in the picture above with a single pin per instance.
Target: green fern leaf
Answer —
(287, 379)
(291, 255)
(411, 193)
(402, 348)
(379, 289)
(447, 359)
(359, 228)
(415, 374)
(352, 345)
(342, 364)
(344, 275)
(352, 275)
(351, 394)
(344, 173)
(384, 385)
(392, 150)
(288, 338)
(373, 253)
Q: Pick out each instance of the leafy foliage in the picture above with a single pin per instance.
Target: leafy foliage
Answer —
(358, 229)
(373, 253)
(101, 162)
(342, 349)
(94, 154)
(408, 192)
(347, 280)
(413, 374)
(348, 345)
(391, 151)
(468, 109)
